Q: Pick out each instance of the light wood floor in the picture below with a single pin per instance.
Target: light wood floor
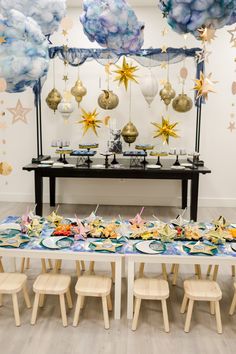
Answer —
(48, 335)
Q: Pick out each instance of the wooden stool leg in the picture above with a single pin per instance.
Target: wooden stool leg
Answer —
(82, 301)
(105, 312)
(50, 266)
(113, 271)
(77, 311)
(175, 275)
(189, 316)
(16, 309)
(109, 303)
(63, 310)
(141, 270)
(233, 305)
(233, 270)
(78, 269)
(172, 269)
(22, 267)
(69, 299)
(83, 265)
(91, 267)
(215, 273)
(184, 304)
(198, 271)
(164, 272)
(1, 300)
(56, 266)
(209, 270)
(44, 267)
(41, 300)
(1, 266)
(136, 314)
(212, 307)
(26, 297)
(165, 316)
(27, 263)
(218, 317)
(35, 309)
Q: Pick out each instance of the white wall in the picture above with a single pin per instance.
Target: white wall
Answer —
(218, 146)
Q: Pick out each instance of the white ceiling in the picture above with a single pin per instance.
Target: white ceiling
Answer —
(145, 3)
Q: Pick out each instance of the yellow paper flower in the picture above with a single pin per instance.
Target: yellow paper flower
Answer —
(89, 121)
(204, 85)
(125, 73)
(165, 130)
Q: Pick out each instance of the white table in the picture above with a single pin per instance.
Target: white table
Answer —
(168, 259)
(75, 256)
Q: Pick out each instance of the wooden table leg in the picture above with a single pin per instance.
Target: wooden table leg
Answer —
(194, 197)
(118, 279)
(52, 185)
(130, 293)
(184, 193)
(38, 184)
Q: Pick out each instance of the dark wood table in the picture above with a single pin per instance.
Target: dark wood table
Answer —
(124, 172)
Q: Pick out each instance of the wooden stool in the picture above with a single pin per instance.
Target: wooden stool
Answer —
(95, 286)
(52, 284)
(13, 283)
(233, 305)
(151, 289)
(202, 290)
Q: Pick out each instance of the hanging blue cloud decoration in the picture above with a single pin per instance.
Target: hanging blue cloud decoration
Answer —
(47, 13)
(112, 24)
(187, 16)
(23, 52)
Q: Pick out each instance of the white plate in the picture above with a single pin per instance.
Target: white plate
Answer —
(187, 164)
(10, 226)
(177, 167)
(52, 242)
(154, 167)
(98, 166)
(47, 162)
(144, 247)
(69, 165)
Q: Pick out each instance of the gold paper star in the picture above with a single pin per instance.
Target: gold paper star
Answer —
(89, 121)
(106, 245)
(204, 85)
(165, 130)
(3, 40)
(15, 241)
(203, 55)
(164, 32)
(207, 34)
(126, 73)
(167, 234)
(232, 34)
(231, 126)
(65, 78)
(164, 65)
(200, 247)
(19, 113)
(164, 49)
(64, 33)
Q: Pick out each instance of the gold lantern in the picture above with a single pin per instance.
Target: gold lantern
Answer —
(78, 91)
(167, 93)
(182, 103)
(53, 99)
(129, 133)
(108, 100)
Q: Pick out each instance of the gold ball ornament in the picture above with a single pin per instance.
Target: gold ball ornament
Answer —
(167, 93)
(129, 133)
(5, 169)
(78, 91)
(182, 103)
(108, 100)
(53, 99)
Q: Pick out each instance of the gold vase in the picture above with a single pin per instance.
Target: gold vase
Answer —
(129, 133)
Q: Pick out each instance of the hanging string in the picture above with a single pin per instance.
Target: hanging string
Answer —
(130, 97)
(54, 73)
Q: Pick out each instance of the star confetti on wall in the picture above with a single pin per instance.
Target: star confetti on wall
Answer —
(19, 113)
(89, 121)
(125, 73)
(232, 126)
(165, 130)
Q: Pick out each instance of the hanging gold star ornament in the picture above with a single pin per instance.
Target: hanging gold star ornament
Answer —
(165, 130)
(5, 169)
(126, 73)
(89, 121)
(204, 85)
(164, 49)
(207, 34)
(19, 113)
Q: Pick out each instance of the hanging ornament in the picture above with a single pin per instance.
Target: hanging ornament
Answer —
(183, 73)
(5, 169)
(108, 100)
(53, 99)
(167, 93)
(89, 121)
(204, 85)
(130, 132)
(149, 87)
(66, 107)
(78, 91)
(182, 103)
(165, 130)
(126, 73)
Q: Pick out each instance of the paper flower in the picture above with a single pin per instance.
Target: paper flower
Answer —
(188, 16)
(54, 218)
(112, 24)
(165, 130)
(167, 234)
(89, 121)
(204, 85)
(125, 73)
(48, 14)
(24, 55)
